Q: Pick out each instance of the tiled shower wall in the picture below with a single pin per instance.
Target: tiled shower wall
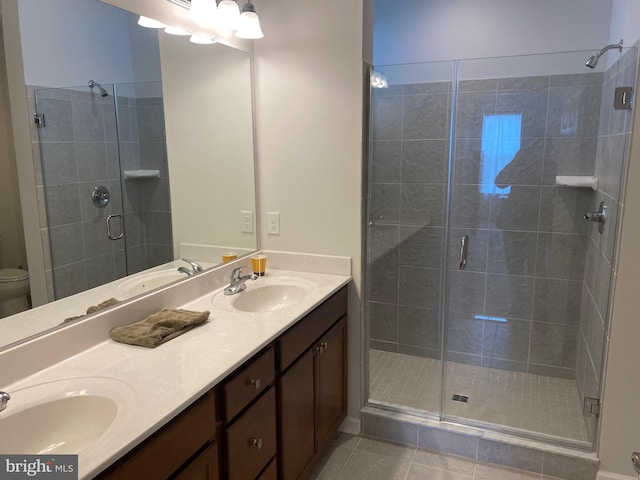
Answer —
(76, 151)
(517, 304)
(613, 136)
(147, 205)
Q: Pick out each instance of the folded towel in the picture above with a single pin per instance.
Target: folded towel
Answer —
(106, 304)
(158, 328)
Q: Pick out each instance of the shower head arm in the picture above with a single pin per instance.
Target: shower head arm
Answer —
(609, 47)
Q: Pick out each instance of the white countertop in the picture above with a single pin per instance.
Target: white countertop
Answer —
(161, 382)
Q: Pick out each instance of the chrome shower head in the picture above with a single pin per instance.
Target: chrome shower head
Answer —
(593, 60)
(103, 92)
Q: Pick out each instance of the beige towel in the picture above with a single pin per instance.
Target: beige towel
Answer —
(93, 309)
(106, 304)
(158, 328)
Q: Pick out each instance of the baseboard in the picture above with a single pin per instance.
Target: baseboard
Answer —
(350, 425)
(613, 476)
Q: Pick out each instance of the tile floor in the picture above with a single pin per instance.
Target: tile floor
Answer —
(520, 401)
(360, 458)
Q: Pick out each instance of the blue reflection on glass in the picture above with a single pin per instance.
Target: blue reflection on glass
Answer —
(500, 142)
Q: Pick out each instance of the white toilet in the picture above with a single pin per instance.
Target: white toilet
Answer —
(14, 290)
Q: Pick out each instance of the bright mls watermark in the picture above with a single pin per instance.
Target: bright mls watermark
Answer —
(54, 467)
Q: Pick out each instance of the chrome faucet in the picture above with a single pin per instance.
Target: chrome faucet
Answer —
(187, 271)
(236, 284)
(4, 398)
(195, 267)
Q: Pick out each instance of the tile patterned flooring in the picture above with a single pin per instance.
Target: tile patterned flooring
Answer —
(361, 458)
(521, 401)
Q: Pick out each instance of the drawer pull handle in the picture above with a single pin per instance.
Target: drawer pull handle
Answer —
(324, 345)
(255, 382)
(256, 442)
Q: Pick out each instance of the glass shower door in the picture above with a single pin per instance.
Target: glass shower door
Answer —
(80, 161)
(410, 135)
(527, 277)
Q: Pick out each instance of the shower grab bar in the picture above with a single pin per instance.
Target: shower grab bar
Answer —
(464, 250)
(109, 234)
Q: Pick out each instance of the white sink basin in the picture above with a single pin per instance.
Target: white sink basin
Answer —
(148, 281)
(265, 295)
(63, 417)
(269, 298)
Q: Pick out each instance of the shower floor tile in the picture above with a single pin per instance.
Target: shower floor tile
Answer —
(523, 401)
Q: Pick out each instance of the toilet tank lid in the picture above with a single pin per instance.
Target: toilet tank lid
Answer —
(12, 275)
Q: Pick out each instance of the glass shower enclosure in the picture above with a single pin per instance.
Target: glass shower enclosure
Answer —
(487, 289)
(104, 183)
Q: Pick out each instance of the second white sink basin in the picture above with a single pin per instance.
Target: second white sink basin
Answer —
(267, 294)
(148, 281)
(269, 298)
(62, 417)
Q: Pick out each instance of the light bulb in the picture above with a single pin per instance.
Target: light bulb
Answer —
(249, 23)
(150, 22)
(228, 14)
(176, 31)
(203, 12)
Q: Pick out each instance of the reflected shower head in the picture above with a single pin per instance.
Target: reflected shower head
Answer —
(593, 60)
(103, 92)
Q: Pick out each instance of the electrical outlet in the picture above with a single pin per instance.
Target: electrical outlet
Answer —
(246, 217)
(273, 223)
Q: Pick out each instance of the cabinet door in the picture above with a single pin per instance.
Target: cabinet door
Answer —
(203, 467)
(332, 382)
(297, 416)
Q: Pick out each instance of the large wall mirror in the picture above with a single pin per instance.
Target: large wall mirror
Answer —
(144, 155)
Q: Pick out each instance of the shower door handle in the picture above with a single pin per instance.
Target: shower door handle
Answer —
(464, 250)
(109, 233)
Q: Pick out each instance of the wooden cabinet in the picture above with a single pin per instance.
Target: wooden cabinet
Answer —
(250, 411)
(313, 388)
(167, 451)
(203, 467)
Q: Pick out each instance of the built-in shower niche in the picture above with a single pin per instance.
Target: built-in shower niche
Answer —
(525, 321)
(89, 140)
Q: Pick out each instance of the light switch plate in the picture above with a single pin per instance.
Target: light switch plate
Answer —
(246, 217)
(273, 223)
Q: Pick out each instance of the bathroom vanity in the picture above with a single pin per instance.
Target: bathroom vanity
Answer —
(231, 431)
(250, 394)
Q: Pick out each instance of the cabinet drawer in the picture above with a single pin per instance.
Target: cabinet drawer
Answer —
(271, 472)
(251, 440)
(248, 383)
(301, 336)
(172, 446)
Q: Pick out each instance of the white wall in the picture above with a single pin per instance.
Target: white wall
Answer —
(625, 22)
(418, 30)
(209, 127)
(309, 132)
(67, 42)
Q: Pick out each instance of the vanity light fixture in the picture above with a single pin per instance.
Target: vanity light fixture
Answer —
(249, 23)
(202, 39)
(378, 80)
(229, 14)
(204, 12)
(150, 22)
(176, 31)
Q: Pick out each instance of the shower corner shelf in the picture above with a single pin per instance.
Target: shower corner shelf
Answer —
(133, 174)
(580, 181)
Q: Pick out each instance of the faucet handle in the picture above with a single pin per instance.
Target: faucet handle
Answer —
(195, 265)
(235, 273)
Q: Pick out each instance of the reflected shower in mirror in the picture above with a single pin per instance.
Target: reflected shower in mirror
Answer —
(132, 181)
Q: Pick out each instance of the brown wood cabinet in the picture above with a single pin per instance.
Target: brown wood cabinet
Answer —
(313, 388)
(232, 433)
(168, 451)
